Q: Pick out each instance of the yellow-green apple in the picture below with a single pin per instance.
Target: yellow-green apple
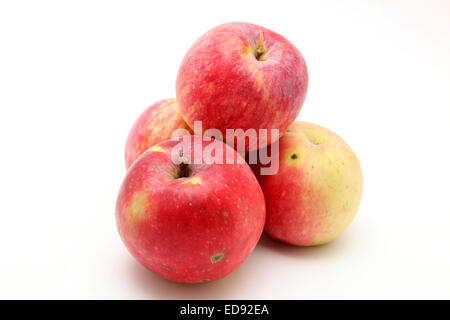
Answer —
(242, 76)
(316, 193)
(188, 213)
(156, 124)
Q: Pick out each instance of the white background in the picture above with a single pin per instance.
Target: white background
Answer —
(75, 75)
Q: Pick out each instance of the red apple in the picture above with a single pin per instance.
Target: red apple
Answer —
(316, 193)
(156, 124)
(195, 221)
(242, 76)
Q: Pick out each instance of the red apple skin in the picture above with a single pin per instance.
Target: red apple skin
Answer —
(156, 124)
(222, 83)
(189, 229)
(317, 191)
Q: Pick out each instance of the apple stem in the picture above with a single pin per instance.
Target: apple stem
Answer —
(258, 53)
(260, 50)
(183, 170)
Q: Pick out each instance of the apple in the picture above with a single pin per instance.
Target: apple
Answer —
(156, 124)
(317, 191)
(242, 76)
(190, 220)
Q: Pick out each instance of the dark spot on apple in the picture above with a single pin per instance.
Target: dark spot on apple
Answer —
(204, 280)
(217, 257)
(294, 156)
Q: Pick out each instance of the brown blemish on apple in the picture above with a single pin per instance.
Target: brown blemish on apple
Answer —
(294, 156)
(216, 257)
(225, 214)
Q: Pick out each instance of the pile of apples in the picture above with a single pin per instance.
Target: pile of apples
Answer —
(195, 220)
